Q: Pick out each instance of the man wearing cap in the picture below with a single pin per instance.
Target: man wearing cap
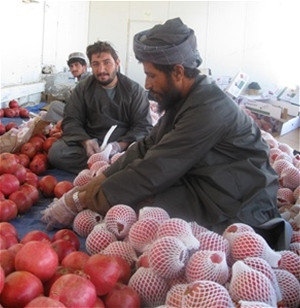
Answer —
(204, 161)
(77, 63)
(103, 100)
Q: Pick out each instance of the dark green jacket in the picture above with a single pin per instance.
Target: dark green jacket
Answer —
(90, 112)
(205, 160)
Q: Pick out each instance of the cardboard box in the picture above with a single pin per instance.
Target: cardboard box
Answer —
(292, 110)
(265, 109)
(237, 84)
(288, 125)
(277, 127)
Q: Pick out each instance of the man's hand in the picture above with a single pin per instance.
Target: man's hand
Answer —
(91, 146)
(92, 195)
(58, 214)
(115, 148)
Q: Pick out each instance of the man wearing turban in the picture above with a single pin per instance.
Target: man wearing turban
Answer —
(204, 161)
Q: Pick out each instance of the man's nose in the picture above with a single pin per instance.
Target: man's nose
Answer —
(100, 68)
(148, 86)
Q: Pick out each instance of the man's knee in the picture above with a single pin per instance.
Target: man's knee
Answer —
(69, 158)
(55, 153)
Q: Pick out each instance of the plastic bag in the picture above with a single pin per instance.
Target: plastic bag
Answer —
(12, 140)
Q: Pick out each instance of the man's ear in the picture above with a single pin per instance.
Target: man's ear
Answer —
(118, 63)
(178, 72)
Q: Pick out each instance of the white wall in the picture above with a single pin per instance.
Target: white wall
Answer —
(66, 31)
(37, 34)
(21, 36)
(260, 38)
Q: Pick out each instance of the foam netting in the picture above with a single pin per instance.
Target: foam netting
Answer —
(168, 256)
(119, 220)
(99, 239)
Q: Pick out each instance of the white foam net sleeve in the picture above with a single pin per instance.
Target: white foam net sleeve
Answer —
(83, 177)
(196, 228)
(99, 239)
(168, 256)
(119, 220)
(206, 294)
(290, 177)
(175, 295)
(274, 152)
(280, 164)
(181, 279)
(143, 233)
(151, 288)
(290, 288)
(232, 231)
(247, 304)
(123, 250)
(251, 244)
(251, 285)
(214, 242)
(153, 212)
(264, 267)
(97, 157)
(284, 156)
(290, 261)
(85, 221)
(179, 228)
(284, 196)
(295, 236)
(296, 192)
(98, 165)
(101, 156)
(295, 248)
(284, 147)
(207, 265)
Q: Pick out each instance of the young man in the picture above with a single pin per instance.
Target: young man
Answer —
(100, 101)
(77, 63)
(205, 160)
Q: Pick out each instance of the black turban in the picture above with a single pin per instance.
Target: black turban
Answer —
(168, 44)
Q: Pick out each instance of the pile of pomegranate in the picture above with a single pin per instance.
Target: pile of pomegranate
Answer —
(20, 184)
(144, 259)
(39, 271)
(12, 111)
(179, 264)
(287, 166)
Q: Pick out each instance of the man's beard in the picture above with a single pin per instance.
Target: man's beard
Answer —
(167, 98)
(109, 80)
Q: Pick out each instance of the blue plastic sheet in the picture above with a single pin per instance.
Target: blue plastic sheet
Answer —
(30, 220)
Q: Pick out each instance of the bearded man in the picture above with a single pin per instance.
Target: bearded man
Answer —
(100, 101)
(204, 161)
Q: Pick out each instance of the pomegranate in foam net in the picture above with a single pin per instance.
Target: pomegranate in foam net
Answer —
(159, 251)
(238, 268)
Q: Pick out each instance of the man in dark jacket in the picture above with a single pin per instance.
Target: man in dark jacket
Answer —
(100, 101)
(205, 160)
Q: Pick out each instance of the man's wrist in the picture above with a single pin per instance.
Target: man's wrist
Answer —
(77, 202)
(122, 145)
